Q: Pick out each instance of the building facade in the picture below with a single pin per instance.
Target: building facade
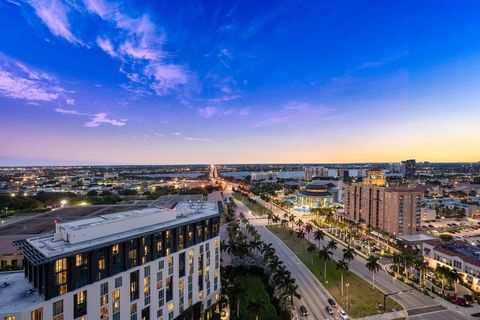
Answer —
(314, 196)
(394, 210)
(154, 263)
(457, 255)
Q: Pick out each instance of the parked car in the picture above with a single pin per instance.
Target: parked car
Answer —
(329, 310)
(332, 303)
(343, 314)
(303, 310)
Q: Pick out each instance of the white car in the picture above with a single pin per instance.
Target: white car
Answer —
(343, 314)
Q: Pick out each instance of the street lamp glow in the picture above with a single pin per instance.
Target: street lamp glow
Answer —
(63, 202)
(83, 203)
(12, 194)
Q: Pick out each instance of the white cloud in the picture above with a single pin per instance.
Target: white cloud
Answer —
(209, 112)
(101, 118)
(197, 139)
(107, 46)
(177, 133)
(54, 15)
(70, 112)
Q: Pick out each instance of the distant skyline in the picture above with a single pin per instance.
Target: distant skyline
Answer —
(179, 82)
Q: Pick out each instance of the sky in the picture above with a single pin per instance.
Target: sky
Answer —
(177, 82)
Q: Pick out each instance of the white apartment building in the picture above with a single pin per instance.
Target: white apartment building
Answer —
(458, 255)
(154, 263)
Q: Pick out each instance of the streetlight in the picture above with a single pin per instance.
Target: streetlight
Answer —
(347, 285)
(63, 202)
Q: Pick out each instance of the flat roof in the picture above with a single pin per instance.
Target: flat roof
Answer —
(46, 248)
(16, 293)
(417, 237)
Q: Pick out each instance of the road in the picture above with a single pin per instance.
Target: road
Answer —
(314, 295)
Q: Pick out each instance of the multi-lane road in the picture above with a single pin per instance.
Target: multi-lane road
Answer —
(314, 295)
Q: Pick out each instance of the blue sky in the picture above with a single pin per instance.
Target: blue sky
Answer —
(154, 82)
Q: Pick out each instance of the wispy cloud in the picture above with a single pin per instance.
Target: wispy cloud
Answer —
(177, 133)
(292, 111)
(54, 15)
(209, 112)
(96, 120)
(19, 81)
(139, 45)
(225, 98)
(382, 61)
(197, 139)
(102, 118)
(70, 112)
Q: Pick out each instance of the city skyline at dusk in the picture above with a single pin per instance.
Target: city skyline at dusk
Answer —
(98, 82)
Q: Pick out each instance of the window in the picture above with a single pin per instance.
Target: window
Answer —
(81, 272)
(9, 318)
(161, 298)
(169, 288)
(134, 285)
(132, 253)
(80, 304)
(161, 264)
(37, 314)
(104, 313)
(116, 302)
(118, 282)
(159, 280)
(146, 271)
(58, 310)
(158, 244)
(60, 275)
(181, 264)
(103, 293)
(101, 264)
(133, 312)
(170, 265)
(116, 259)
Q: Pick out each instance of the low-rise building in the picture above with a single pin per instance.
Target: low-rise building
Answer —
(428, 214)
(457, 255)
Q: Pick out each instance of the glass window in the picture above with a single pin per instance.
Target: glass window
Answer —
(118, 282)
(57, 307)
(37, 314)
(80, 304)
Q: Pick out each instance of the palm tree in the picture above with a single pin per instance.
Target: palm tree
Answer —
(443, 273)
(299, 223)
(349, 254)
(341, 265)
(318, 235)
(311, 249)
(236, 292)
(422, 267)
(325, 255)
(255, 245)
(291, 219)
(373, 265)
(255, 306)
(308, 229)
(455, 278)
(332, 244)
(290, 291)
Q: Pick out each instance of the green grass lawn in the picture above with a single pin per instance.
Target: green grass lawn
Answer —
(255, 288)
(362, 298)
(254, 206)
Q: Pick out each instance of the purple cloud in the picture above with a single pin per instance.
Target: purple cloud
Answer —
(18, 81)
(101, 118)
(197, 139)
(54, 15)
(208, 112)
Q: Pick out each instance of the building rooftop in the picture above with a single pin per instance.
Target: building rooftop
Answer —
(74, 237)
(459, 248)
(16, 293)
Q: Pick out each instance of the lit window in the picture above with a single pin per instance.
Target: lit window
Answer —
(37, 314)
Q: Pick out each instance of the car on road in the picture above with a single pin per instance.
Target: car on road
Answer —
(329, 310)
(343, 314)
(332, 303)
(303, 310)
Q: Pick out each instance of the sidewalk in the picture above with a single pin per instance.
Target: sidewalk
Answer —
(387, 316)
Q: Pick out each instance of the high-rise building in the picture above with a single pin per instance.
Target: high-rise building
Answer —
(153, 263)
(394, 210)
(410, 167)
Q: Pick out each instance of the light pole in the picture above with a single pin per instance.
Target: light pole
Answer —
(347, 285)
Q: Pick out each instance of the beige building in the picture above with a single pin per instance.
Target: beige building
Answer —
(394, 210)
